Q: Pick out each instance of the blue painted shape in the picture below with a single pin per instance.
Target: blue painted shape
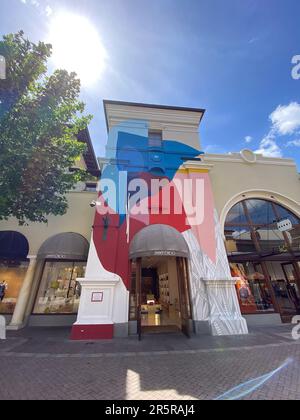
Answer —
(128, 150)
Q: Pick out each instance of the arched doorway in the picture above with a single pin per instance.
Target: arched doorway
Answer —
(14, 249)
(160, 296)
(263, 246)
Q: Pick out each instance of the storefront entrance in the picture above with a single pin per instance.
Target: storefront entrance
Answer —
(159, 295)
(263, 244)
(160, 289)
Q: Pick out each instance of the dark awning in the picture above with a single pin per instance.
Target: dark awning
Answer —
(13, 246)
(65, 246)
(158, 240)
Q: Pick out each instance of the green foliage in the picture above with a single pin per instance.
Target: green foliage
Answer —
(40, 117)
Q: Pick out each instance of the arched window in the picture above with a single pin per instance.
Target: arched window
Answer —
(263, 246)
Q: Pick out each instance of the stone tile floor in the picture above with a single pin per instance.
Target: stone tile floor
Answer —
(45, 364)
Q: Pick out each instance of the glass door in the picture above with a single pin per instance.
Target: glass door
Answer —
(291, 285)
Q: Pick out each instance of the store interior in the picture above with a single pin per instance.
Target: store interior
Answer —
(160, 303)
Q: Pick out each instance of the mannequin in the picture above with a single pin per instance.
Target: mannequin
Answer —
(3, 288)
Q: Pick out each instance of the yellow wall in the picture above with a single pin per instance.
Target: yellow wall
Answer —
(78, 219)
(233, 180)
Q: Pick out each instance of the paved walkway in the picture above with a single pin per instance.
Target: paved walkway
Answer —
(45, 364)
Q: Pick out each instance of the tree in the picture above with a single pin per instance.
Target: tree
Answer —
(40, 118)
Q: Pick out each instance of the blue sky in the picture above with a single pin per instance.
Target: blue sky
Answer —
(231, 57)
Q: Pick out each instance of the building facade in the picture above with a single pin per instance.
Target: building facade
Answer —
(175, 240)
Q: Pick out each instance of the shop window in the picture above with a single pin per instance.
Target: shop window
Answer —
(252, 289)
(254, 226)
(286, 286)
(91, 186)
(12, 275)
(263, 243)
(59, 291)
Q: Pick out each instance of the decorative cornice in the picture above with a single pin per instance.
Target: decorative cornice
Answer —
(237, 158)
(160, 117)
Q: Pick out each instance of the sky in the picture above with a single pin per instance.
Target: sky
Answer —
(231, 57)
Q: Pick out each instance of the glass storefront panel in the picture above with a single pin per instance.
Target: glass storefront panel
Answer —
(285, 286)
(259, 220)
(239, 240)
(11, 279)
(252, 289)
(59, 291)
(262, 240)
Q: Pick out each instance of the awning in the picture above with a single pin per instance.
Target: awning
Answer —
(65, 246)
(13, 246)
(158, 240)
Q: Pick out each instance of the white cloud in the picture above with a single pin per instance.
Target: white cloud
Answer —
(285, 122)
(248, 139)
(293, 143)
(48, 11)
(35, 3)
(213, 149)
(269, 147)
(286, 119)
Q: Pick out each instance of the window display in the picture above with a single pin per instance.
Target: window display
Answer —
(59, 291)
(11, 279)
(263, 240)
(286, 287)
(253, 292)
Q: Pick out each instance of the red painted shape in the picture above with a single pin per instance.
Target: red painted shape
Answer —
(92, 332)
(113, 248)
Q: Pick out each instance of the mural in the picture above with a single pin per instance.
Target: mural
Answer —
(130, 159)
(143, 183)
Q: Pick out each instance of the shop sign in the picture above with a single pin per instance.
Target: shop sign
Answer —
(165, 253)
(97, 297)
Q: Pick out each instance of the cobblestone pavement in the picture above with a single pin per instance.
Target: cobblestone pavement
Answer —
(44, 364)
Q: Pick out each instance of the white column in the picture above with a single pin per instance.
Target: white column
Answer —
(225, 314)
(22, 302)
(97, 301)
